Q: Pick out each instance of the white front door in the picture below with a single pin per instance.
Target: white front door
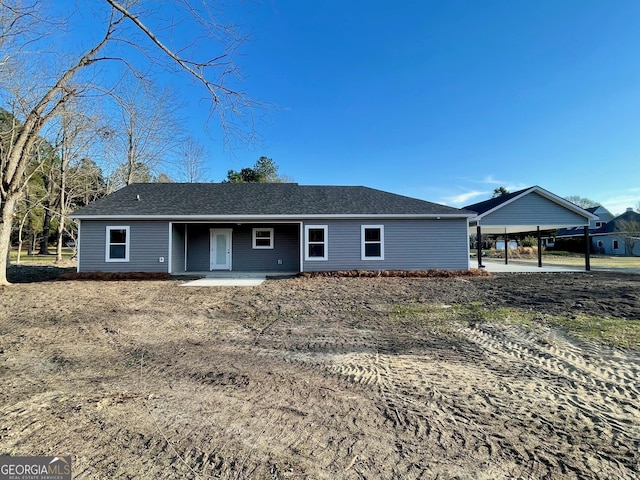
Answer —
(220, 244)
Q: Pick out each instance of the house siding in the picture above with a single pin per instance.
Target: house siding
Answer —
(532, 209)
(177, 246)
(608, 244)
(285, 248)
(149, 241)
(408, 245)
(198, 256)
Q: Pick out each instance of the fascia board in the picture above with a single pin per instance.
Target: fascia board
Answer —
(233, 218)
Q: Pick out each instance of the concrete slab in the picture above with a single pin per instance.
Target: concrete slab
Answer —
(500, 267)
(243, 281)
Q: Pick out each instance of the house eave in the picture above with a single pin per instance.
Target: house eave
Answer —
(233, 218)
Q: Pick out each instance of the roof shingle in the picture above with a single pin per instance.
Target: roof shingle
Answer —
(260, 199)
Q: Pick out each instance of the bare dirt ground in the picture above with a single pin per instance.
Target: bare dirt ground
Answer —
(324, 378)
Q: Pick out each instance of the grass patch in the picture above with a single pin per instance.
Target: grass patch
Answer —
(613, 331)
(37, 259)
(618, 332)
(436, 317)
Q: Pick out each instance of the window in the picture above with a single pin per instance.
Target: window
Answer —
(372, 242)
(615, 245)
(316, 242)
(263, 238)
(599, 224)
(117, 244)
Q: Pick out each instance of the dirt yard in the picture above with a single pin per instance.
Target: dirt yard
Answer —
(322, 378)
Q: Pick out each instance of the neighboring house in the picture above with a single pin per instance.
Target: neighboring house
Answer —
(285, 227)
(603, 217)
(620, 236)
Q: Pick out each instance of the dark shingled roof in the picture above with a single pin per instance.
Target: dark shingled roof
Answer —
(627, 222)
(485, 206)
(209, 199)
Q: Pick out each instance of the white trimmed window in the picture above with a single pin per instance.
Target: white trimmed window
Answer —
(316, 242)
(372, 242)
(117, 244)
(263, 238)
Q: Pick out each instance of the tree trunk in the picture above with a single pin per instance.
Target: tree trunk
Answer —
(6, 214)
(46, 227)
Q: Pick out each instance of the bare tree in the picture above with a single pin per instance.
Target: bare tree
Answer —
(630, 231)
(192, 158)
(144, 133)
(582, 202)
(51, 76)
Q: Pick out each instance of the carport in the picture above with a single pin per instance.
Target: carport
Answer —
(532, 209)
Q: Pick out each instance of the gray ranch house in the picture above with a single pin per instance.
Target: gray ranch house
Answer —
(280, 227)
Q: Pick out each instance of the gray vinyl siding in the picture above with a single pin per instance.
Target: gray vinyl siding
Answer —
(149, 241)
(244, 257)
(285, 247)
(533, 209)
(419, 244)
(198, 255)
(177, 247)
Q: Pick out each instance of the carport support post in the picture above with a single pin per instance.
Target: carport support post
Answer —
(506, 248)
(539, 249)
(587, 249)
(479, 243)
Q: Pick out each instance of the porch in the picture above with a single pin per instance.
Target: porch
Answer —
(232, 249)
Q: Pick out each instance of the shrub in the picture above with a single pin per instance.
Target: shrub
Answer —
(529, 241)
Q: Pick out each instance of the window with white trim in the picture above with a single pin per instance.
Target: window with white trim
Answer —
(316, 242)
(117, 244)
(263, 238)
(372, 237)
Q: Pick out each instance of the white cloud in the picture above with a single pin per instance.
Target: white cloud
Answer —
(491, 181)
(463, 198)
(618, 204)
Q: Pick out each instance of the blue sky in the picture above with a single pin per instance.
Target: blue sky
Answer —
(443, 101)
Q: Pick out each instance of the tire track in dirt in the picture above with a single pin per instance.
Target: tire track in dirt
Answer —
(603, 412)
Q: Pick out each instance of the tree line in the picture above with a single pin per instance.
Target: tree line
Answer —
(84, 111)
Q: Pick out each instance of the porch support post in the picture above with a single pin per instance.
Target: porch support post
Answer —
(539, 249)
(506, 248)
(479, 240)
(587, 249)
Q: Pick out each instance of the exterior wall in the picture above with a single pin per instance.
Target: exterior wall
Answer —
(149, 241)
(177, 248)
(608, 244)
(533, 209)
(604, 216)
(244, 257)
(198, 256)
(408, 245)
(286, 247)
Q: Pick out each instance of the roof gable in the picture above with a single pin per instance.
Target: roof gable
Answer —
(257, 199)
(622, 223)
(493, 204)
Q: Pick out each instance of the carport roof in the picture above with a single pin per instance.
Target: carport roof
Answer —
(233, 200)
(491, 219)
